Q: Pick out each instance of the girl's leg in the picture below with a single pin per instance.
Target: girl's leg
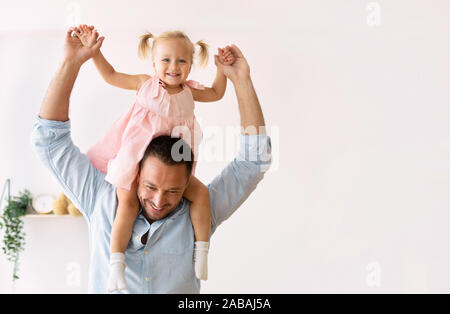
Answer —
(200, 212)
(127, 210)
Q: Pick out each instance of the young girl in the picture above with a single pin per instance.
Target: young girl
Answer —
(163, 102)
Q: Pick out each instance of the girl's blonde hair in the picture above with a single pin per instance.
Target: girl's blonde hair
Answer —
(144, 46)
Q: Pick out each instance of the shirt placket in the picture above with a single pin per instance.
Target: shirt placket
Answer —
(147, 271)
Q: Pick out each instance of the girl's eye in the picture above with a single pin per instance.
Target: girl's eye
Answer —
(182, 61)
(165, 60)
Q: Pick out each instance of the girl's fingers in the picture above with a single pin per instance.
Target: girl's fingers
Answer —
(227, 52)
(227, 56)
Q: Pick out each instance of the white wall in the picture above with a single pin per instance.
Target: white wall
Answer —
(358, 108)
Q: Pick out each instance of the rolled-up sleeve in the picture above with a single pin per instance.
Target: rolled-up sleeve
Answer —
(240, 177)
(78, 178)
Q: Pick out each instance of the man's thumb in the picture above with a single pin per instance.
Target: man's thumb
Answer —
(99, 43)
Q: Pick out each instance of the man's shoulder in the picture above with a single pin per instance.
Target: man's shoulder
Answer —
(105, 200)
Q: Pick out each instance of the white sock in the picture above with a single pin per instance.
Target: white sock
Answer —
(201, 259)
(117, 266)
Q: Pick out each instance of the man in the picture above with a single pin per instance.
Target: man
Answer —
(159, 255)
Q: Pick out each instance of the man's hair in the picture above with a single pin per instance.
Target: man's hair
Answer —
(171, 151)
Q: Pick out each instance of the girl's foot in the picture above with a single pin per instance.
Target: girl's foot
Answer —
(201, 259)
(116, 280)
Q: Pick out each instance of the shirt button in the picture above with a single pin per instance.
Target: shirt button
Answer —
(137, 237)
(147, 279)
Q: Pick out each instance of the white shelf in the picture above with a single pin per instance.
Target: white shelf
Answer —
(50, 216)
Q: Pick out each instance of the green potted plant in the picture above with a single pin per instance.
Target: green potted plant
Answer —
(12, 223)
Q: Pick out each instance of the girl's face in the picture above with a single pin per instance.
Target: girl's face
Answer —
(172, 61)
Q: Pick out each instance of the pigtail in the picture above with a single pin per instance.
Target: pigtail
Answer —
(143, 45)
(203, 54)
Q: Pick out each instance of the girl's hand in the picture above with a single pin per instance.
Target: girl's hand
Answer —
(226, 57)
(87, 35)
(239, 69)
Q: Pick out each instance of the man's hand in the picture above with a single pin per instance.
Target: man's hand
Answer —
(75, 51)
(239, 69)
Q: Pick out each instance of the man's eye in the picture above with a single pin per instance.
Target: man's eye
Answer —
(151, 188)
(182, 61)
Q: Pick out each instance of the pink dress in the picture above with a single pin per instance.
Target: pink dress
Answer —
(155, 112)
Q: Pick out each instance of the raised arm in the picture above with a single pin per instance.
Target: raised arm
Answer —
(252, 119)
(56, 102)
(88, 37)
(118, 79)
(213, 93)
(51, 138)
(217, 90)
(239, 179)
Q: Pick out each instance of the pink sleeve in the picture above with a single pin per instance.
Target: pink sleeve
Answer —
(194, 84)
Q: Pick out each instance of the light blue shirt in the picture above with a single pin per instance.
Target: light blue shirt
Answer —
(165, 263)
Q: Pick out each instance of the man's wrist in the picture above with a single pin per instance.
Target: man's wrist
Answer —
(71, 63)
(241, 80)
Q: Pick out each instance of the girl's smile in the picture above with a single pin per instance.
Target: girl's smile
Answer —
(172, 61)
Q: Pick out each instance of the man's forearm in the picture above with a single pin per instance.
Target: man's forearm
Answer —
(252, 119)
(56, 102)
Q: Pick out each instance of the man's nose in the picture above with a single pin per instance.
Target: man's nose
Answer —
(158, 200)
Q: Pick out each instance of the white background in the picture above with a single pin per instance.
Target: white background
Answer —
(355, 95)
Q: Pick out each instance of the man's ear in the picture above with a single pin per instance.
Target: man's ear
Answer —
(137, 179)
(188, 181)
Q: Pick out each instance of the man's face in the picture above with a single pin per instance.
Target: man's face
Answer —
(160, 187)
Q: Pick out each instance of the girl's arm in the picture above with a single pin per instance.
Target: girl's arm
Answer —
(88, 37)
(213, 93)
(118, 79)
(219, 86)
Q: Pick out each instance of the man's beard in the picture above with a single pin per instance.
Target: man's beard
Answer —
(146, 206)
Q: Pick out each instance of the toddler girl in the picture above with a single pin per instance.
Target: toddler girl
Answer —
(163, 101)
